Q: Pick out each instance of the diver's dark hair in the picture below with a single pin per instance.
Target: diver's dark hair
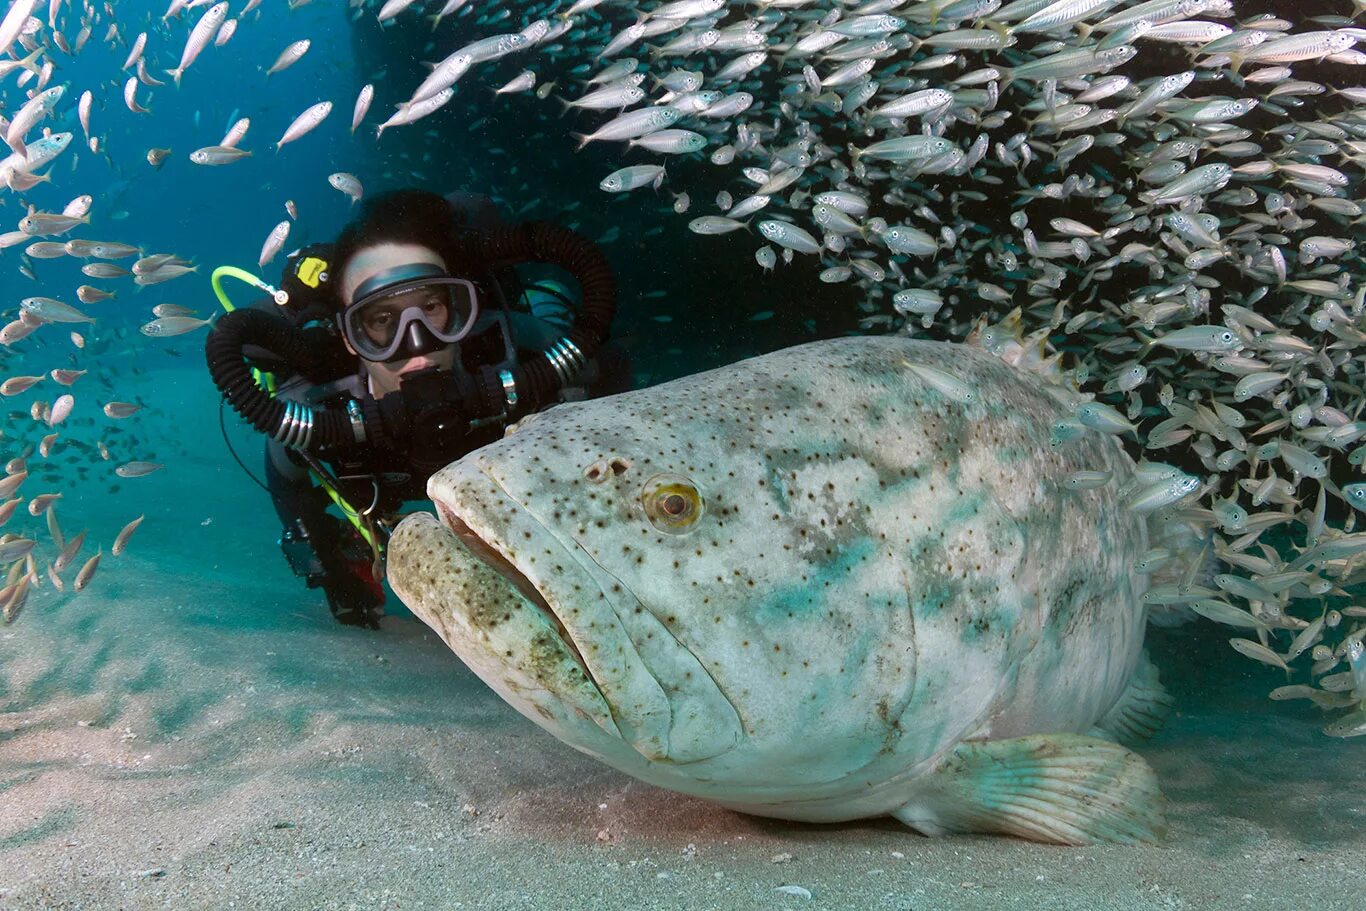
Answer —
(400, 216)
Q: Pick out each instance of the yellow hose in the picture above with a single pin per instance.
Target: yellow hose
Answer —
(242, 275)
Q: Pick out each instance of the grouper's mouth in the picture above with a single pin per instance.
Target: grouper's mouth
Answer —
(536, 615)
(506, 568)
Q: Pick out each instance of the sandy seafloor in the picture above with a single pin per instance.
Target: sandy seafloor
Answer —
(194, 731)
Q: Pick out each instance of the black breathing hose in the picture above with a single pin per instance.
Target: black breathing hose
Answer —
(538, 381)
(282, 420)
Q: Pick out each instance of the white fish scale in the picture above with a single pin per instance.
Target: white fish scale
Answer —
(860, 620)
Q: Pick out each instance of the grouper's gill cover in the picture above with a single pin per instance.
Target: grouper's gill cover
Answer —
(795, 584)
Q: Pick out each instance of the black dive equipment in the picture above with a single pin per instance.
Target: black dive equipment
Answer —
(434, 409)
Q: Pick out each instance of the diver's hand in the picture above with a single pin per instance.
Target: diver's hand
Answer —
(353, 595)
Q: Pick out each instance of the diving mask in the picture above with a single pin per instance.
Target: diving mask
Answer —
(412, 309)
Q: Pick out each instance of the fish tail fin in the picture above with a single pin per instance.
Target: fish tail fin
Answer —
(583, 139)
(1148, 343)
(854, 154)
(565, 104)
(999, 28)
(1084, 30)
(28, 62)
(175, 74)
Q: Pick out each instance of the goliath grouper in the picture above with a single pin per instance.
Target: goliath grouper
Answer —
(838, 581)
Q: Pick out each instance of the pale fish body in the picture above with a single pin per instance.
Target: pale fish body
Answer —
(856, 608)
(236, 133)
(1102, 417)
(17, 384)
(904, 148)
(632, 125)
(789, 236)
(1200, 338)
(1154, 11)
(305, 122)
(203, 30)
(87, 572)
(914, 104)
(1074, 63)
(731, 105)
(444, 75)
(364, 97)
(347, 183)
(714, 224)
(524, 81)
(120, 409)
(412, 111)
(1304, 46)
(54, 311)
(61, 409)
(290, 56)
(121, 541)
(136, 469)
(909, 240)
(1061, 13)
(671, 142)
(214, 156)
(1158, 91)
(225, 32)
(1091, 480)
(166, 326)
(632, 177)
(274, 241)
(615, 95)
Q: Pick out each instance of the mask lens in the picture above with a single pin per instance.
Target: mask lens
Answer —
(447, 308)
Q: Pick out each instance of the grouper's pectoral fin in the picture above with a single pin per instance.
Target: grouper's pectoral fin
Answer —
(1142, 708)
(1061, 788)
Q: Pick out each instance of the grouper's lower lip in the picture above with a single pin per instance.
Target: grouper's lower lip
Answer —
(505, 567)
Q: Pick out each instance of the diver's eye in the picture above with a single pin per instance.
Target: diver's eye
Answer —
(672, 503)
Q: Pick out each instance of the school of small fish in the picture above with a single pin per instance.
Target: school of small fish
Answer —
(1183, 245)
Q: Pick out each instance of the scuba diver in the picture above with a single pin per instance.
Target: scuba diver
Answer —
(418, 336)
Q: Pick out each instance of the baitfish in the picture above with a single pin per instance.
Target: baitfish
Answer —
(814, 585)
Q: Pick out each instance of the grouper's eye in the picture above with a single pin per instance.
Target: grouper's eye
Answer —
(672, 503)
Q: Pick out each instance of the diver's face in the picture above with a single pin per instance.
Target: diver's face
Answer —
(370, 261)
